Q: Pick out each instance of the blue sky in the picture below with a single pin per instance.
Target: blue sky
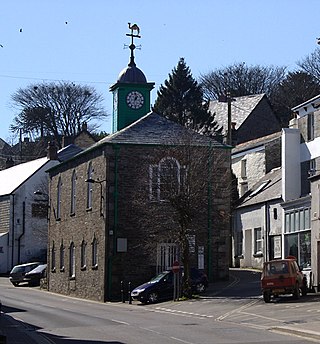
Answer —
(88, 49)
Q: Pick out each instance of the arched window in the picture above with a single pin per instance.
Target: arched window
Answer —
(83, 255)
(58, 214)
(166, 179)
(72, 261)
(94, 253)
(89, 186)
(61, 257)
(53, 258)
(73, 193)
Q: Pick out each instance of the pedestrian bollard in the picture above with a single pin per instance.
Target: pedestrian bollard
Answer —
(122, 292)
(129, 293)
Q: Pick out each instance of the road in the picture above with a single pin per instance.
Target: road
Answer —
(236, 314)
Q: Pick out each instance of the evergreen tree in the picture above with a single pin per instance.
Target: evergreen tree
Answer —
(180, 99)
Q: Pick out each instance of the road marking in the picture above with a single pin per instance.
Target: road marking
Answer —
(237, 310)
(120, 322)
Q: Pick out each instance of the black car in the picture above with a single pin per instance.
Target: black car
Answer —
(17, 274)
(34, 276)
(161, 287)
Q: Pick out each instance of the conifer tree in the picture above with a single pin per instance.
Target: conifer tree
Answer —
(181, 100)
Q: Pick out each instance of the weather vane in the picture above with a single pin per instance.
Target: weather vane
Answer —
(135, 33)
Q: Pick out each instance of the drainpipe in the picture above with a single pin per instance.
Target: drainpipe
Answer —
(267, 230)
(23, 229)
(115, 220)
(210, 276)
(12, 232)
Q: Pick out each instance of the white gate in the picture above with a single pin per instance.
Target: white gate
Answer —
(167, 253)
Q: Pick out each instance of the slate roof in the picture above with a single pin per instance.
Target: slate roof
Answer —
(266, 189)
(11, 178)
(153, 129)
(241, 108)
(261, 141)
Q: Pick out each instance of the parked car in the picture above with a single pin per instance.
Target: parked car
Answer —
(17, 274)
(34, 276)
(161, 287)
(282, 276)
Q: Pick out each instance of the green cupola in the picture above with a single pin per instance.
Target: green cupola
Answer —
(131, 92)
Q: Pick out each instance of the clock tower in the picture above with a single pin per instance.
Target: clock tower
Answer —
(131, 92)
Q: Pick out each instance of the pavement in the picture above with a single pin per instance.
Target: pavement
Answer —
(13, 331)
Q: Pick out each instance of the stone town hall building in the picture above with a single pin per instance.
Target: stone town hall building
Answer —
(110, 219)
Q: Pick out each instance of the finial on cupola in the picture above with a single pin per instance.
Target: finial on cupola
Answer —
(135, 33)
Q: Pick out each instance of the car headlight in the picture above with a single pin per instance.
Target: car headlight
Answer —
(138, 291)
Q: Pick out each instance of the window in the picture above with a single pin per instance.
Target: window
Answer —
(72, 261)
(166, 179)
(89, 187)
(258, 240)
(53, 258)
(61, 257)
(243, 188)
(94, 253)
(275, 213)
(58, 214)
(310, 120)
(297, 220)
(73, 193)
(83, 255)
(239, 240)
(244, 168)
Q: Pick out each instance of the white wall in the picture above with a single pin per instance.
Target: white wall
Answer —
(291, 171)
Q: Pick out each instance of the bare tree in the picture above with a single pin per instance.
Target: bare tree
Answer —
(311, 64)
(56, 109)
(191, 183)
(241, 80)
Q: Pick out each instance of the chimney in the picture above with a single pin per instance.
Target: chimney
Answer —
(52, 153)
(9, 162)
(84, 126)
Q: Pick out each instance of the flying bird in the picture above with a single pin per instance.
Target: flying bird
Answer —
(1, 45)
(20, 30)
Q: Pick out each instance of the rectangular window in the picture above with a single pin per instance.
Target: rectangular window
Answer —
(287, 223)
(258, 240)
(310, 121)
(307, 224)
(244, 188)
(83, 255)
(244, 168)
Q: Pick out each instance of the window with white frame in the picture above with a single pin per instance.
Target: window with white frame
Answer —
(310, 123)
(58, 207)
(166, 179)
(89, 186)
(61, 257)
(83, 255)
(73, 193)
(72, 261)
(258, 240)
(53, 257)
(244, 168)
(297, 220)
(94, 253)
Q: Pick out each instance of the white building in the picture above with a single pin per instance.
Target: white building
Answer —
(23, 214)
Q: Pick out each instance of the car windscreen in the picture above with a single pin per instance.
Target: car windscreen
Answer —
(275, 268)
(17, 269)
(158, 277)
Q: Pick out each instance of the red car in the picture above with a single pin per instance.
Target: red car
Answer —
(282, 276)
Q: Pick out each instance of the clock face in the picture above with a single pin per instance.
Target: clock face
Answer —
(135, 100)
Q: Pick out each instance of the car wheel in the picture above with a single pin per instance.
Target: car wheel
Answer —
(266, 297)
(200, 288)
(15, 283)
(153, 297)
(296, 293)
